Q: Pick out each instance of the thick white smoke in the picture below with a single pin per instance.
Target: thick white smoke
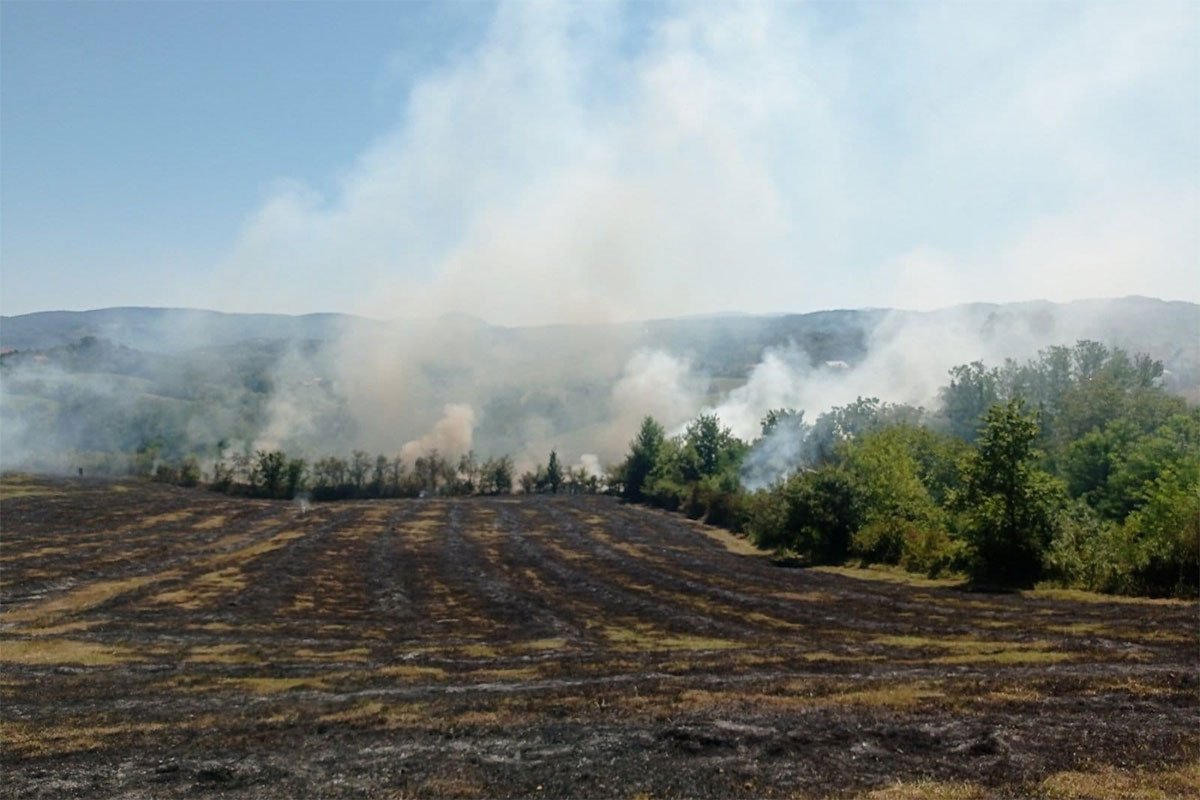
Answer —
(450, 435)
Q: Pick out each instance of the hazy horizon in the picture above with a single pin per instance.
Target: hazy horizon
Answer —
(682, 317)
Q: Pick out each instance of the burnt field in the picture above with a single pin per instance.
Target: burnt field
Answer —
(161, 642)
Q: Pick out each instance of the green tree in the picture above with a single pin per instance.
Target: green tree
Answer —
(781, 419)
(497, 476)
(972, 390)
(554, 472)
(1163, 535)
(846, 423)
(379, 476)
(294, 476)
(397, 472)
(360, 467)
(467, 475)
(189, 472)
(1008, 502)
(813, 514)
(902, 524)
(643, 456)
(271, 469)
(710, 447)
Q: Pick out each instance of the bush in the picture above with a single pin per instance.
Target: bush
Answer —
(165, 473)
(931, 551)
(1086, 551)
(813, 514)
(1163, 537)
(721, 501)
(189, 473)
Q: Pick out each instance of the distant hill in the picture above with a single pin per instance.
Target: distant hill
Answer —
(166, 330)
(719, 341)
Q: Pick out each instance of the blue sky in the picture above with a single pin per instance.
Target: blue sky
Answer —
(537, 162)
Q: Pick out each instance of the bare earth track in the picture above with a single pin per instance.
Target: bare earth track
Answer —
(160, 642)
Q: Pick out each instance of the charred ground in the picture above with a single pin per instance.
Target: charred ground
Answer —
(162, 642)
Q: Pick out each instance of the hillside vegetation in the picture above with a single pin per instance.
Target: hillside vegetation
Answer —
(1075, 467)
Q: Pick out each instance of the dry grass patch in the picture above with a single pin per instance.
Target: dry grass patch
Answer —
(760, 618)
(1132, 686)
(1005, 656)
(371, 711)
(14, 486)
(476, 651)
(1081, 596)
(1169, 637)
(221, 654)
(210, 523)
(542, 645)
(86, 597)
(506, 674)
(976, 651)
(1013, 694)
(59, 629)
(899, 695)
(302, 602)
(1083, 629)
(704, 661)
(927, 790)
(63, 651)
(640, 636)
(794, 696)
(411, 672)
(1124, 634)
(422, 529)
(822, 655)
(805, 597)
(328, 656)
(889, 574)
(628, 548)
(228, 578)
(450, 789)
(255, 550)
(163, 519)
(33, 741)
(267, 685)
(377, 714)
(1107, 783)
(205, 589)
(52, 550)
(737, 545)
(486, 718)
(564, 552)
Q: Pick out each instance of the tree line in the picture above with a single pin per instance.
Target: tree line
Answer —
(1074, 467)
(274, 474)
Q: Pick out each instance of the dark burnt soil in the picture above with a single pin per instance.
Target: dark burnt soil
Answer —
(160, 642)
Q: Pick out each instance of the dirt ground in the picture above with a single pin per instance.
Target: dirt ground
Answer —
(163, 642)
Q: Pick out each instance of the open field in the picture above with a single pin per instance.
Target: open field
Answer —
(161, 642)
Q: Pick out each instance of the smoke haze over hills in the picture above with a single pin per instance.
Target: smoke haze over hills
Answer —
(328, 384)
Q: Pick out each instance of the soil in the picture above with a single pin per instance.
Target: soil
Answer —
(165, 642)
